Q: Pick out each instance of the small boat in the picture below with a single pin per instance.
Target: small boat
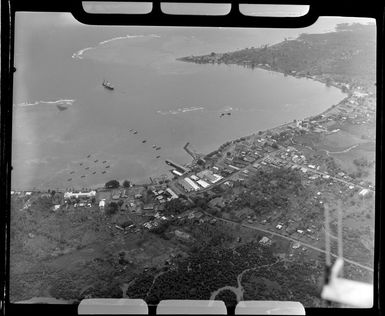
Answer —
(107, 167)
(103, 172)
(157, 156)
(82, 176)
(158, 148)
(88, 156)
(81, 164)
(154, 146)
(104, 161)
(87, 168)
(144, 141)
(130, 130)
(94, 172)
(72, 172)
(69, 179)
(107, 85)
(135, 132)
(96, 160)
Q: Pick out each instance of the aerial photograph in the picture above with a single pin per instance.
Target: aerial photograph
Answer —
(200, 163)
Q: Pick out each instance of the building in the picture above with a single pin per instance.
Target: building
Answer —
(192, 183)
(364, 192)
(265, 241)
(148, 207)
(172, 193)
(76, 195)
(182, 235)
(203, 183)
(176, 172)
(187, 187)
(102, 204)
(296, 245)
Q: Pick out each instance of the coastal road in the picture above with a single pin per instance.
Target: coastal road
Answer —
(334, 178)
(291, 239)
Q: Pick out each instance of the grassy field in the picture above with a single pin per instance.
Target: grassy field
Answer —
(73, 253)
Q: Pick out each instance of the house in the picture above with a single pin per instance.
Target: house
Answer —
(265, 241)
(182, 235)
(279, 226)
(296, 245)
(102, 204)
(172, 193)
(148, 207)
(364, 192)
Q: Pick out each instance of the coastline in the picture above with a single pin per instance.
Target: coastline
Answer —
(271, 129)
(144, 182)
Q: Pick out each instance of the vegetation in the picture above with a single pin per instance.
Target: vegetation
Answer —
(268, 190)
(228, 297)
(175, 206)
(113, 184)
(112, 208)
(126, 184)
(348, 54)
(202, 273)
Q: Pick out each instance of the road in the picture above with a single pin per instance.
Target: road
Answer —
(272, 232)
(232, 175)
(333, 177)
(291, 239)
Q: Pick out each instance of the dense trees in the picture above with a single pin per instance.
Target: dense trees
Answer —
(112, 208)
(228, 297)
(347, 55)
(113, 184)
(268, 190)
(126, 183)
(175, 206)
(206, 270)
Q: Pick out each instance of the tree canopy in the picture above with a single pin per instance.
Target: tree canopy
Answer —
(113, 184)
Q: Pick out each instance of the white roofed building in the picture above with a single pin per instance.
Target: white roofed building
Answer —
(192, 183)
(102, 204)
(203, 183)
(68, 195)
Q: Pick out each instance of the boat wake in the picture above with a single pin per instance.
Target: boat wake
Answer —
(57, 102)
(79, 54)
(180, 110)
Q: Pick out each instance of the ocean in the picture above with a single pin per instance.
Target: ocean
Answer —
(168, 102)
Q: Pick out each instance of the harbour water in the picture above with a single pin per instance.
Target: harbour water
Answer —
(168, 102)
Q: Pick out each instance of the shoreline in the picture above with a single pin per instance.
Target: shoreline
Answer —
(143, 182)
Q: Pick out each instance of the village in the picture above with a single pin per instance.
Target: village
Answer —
(212, 177)
(256, 199)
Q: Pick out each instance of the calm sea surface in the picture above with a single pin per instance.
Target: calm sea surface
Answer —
(166, 101)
